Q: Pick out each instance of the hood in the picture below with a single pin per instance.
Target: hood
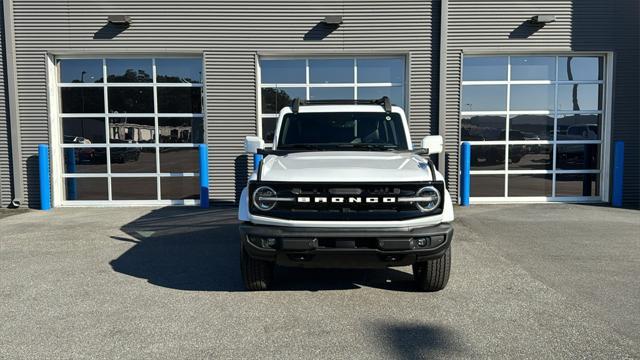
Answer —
(346, 166)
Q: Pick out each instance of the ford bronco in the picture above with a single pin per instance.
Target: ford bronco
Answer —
(343, 187)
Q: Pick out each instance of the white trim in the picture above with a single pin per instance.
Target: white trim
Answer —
(55, 136)
(532, 82)
(535, 199)
(128, 203)
(521, 172)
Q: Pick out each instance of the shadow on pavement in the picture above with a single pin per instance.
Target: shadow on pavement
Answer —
(420, 341)
(196, 249)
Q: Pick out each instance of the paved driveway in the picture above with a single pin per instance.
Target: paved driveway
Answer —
(528, 281)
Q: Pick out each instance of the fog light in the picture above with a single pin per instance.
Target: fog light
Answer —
(422, 242)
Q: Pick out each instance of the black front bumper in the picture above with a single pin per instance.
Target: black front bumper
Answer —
(345, 248)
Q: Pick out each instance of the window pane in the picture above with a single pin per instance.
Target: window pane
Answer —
(85, 160)
(86, 189)
(129, 70)
(577, 185)
(483, 128)
(130, 100)
(533, 68)
(181, 130)
(180, 100)
(131, 130)
(178, 160)
(324, 71)
(484, 98)
(331, 93)
(578, 156)
(579, 127)
(579, 97)
(178, 188)
(134, 188)
(179, 71)
(80, 70)
(530, 185)
(381, 71)
(532, 97)
(83, 130)
(395, 94)
(283, 71)
(487, 157)
(274, 99)
(82, 100)
(477, 68)
(133, 160)
(580, 68)
(530, 157)
(486, 186)
(269, 129)
(531, 127)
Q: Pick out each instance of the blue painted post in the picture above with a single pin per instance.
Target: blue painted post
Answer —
(72, 183)
(45, 178)
(618, 172)
(204, 176)
(465, 178)
(256, 160)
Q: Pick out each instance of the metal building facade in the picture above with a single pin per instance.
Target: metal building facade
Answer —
(229, 35)
(584, 26)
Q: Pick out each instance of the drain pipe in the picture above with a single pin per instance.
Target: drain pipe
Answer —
(12, 103)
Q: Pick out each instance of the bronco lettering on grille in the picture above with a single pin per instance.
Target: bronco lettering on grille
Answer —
(342, 199)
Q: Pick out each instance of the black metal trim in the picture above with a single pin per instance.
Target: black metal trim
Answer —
(384, 101)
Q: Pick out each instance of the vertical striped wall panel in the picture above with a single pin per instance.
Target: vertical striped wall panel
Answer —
(5, 168)
(229, 34)
(581, 25)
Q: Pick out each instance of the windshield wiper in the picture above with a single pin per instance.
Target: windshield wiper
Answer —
(369, 146)
(300, 146)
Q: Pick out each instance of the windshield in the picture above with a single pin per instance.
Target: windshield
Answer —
(342, 131)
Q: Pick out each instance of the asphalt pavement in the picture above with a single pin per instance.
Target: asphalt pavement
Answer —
(528, 281)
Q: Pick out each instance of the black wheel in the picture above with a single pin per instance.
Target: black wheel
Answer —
(433, 275)
(256, 274)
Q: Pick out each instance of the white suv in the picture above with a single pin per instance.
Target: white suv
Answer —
(344, 188)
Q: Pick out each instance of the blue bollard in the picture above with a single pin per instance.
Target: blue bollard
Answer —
(465, 178)
(204, 176)
(256, 160)
(618, 173)
(45, 178)
(72, 183)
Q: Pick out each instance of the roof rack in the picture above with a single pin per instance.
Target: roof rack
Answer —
(384, 101)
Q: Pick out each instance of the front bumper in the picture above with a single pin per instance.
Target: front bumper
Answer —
(345, 248)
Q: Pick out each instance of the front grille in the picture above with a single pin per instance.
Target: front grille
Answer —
(350, 208)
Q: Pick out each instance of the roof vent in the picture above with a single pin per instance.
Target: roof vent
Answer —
(332, 20)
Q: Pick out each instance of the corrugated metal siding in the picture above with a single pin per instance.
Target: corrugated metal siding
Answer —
(229, 33)
(5, 169)
(581, 25)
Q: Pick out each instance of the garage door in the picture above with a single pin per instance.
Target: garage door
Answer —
(129, 129)
(536, 126)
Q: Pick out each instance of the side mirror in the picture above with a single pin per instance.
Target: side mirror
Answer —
(252, 144)
(434, 144)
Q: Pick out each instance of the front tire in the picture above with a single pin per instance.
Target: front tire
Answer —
(257, 275)
(433, 275)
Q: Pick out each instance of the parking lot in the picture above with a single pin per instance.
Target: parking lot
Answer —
(528, 281)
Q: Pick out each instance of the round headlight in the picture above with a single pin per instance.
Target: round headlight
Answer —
(430, 198)
(263, 198)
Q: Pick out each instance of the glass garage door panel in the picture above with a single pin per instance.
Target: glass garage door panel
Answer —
(535, 126)
(324, 78)
(130, 129)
